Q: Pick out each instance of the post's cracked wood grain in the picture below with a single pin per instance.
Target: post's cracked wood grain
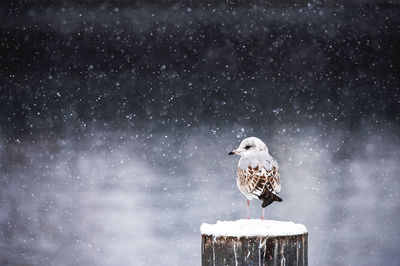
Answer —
(257, 250)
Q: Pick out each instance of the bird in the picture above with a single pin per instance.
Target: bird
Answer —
(257, 173)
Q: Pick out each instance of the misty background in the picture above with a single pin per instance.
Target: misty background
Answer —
(116, 120)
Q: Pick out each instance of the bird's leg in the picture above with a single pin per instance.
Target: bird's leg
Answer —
(248, 211)
(262, 217)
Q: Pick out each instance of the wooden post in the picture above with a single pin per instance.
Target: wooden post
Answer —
(287, 249)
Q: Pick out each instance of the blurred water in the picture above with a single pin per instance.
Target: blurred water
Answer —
(101, 201)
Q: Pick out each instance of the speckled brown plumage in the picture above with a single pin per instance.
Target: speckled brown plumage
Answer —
(263, 183)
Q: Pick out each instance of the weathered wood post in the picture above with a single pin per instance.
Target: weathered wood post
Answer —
(253, 242)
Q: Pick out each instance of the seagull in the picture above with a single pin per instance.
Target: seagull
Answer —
(257, 173)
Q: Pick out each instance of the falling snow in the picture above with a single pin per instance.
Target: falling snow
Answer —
(116, 121)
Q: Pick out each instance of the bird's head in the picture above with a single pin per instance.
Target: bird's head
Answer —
(250, 145)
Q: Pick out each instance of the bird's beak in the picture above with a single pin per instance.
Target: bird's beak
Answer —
(232, 152)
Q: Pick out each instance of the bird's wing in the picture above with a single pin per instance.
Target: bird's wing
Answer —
(257, 180)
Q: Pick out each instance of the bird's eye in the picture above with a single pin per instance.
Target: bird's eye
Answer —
(247, 147)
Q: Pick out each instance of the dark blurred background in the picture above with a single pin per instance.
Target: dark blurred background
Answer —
(116, 119)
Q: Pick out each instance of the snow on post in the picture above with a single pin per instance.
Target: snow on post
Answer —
(254, 242)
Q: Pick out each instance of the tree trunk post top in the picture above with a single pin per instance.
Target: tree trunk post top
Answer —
(254, 242)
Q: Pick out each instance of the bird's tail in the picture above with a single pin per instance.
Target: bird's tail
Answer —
(269, 198)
